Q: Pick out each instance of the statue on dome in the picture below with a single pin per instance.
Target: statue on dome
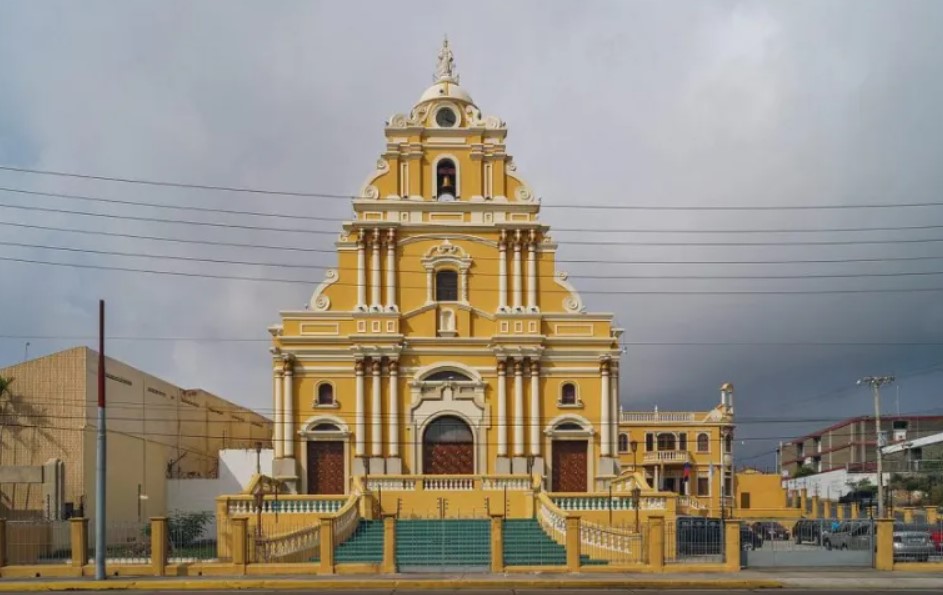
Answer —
(444, 69)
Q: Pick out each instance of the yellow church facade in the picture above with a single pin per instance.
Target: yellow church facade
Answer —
(446, 341)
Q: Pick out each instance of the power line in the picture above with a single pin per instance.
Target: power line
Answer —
(545, 291)
(557, 260)
(477, 274)
(570, 242)
(100, 199)
(251, 190)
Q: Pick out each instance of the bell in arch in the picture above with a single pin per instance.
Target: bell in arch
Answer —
(445, 180)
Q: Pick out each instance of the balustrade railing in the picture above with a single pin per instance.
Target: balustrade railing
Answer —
(615, 544)
(604, 502)
(449, 483)
(288, 545)
(288, 504)
(657, 416)
(551, 519)
(345, 523)
(667, 456)
(690, 503)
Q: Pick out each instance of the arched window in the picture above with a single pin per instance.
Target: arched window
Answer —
(445, 375)
(623, 443)
(568, 394)
(569, 426)
(325, 427)
(728, 443)
(445, 184)
(683, 441)
(325, 393)
(446, 285)
(666, 441)
(703, 443)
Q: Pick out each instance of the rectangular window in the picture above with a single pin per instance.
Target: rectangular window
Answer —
(683, 441)
(446, 286)
(728, 484)
(649, 442)
(745, 500)
(703, 486)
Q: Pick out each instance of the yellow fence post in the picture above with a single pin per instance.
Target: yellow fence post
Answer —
(3, 542)
(884, 534)
(803, 498)
(732, 545)
(908, 515)
(815, 507)
(839, 511)
(159, 543)
(572, 543)
(327, 546)
(389, 543)
(933, 515)
(240, 542)
(656, 542)
(497, 542)
(828, 509)
(78, 538)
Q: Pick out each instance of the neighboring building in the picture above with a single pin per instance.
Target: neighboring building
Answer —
(155, 431)
(446, 341)
(760, 494)
(851, 444)
(690, 453)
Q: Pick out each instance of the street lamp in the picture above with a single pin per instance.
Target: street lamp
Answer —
(876, 382)
(636, 495)
(634, 446)
(258, 458)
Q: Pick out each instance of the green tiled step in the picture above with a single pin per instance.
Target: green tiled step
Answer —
(365, 545)
(526, 544)
(429, 543)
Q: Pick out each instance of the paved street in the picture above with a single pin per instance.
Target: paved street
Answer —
(548, 591)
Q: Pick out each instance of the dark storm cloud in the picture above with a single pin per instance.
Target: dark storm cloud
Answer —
(608, 103)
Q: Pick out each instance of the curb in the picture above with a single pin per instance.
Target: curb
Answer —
(378, 583)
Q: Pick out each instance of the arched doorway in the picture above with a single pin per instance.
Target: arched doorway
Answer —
(448, 447)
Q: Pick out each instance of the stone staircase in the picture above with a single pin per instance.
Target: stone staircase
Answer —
(526, 544)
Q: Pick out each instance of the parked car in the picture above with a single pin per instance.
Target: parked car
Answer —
(749, 539)
(936, 536)
(809, 531)
(771, 531)
(850, 535)
(912, 546)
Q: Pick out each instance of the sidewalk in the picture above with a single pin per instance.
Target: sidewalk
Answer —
(797, 579)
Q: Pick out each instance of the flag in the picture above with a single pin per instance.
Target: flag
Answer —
(687, 471)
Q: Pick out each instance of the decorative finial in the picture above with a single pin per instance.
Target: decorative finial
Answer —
(445, 65)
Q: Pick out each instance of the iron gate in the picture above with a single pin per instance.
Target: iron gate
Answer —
(807, 542)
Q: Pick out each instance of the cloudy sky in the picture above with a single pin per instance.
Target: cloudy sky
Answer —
(608, 103)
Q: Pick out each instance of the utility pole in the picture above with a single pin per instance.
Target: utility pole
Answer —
(876, 382)
(100, 544)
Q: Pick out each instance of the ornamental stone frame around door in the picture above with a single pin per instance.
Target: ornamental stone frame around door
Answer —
(464, 399)
(308, 435)
(551, 433)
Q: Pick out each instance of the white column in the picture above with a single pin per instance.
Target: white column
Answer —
(606, 399)
(532, 275)
(534, 408)
(518, 408)
(393, 409)
(359, 427)
(361, 274)
(289, 410)
(516, 274)
(391, 270)
(429, 299)
(375, 271)
(376, 433)
(614, 410)
(279, 417)
(502, 273)
(502, 410)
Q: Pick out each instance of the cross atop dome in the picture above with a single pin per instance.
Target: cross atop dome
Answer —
(445, 64)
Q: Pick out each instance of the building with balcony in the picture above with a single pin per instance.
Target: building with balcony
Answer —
(685, 452)
(851, 444)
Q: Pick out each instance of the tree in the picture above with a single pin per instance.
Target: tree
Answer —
(804, 471)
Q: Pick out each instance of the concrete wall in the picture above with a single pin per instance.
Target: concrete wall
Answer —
(831, 485)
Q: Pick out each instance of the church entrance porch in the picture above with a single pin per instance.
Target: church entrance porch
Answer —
(448, 447)
(326, 467)
(569, 466)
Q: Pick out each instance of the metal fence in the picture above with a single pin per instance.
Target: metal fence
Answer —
(918, 541)
(694, 540)
(126, 542)
(38, 542)
(191, 537)
(778, 542)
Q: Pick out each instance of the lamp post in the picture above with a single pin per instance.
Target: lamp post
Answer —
(258, 458)
(875, 382)
(636, 496)
(634, 446)
(259, 497)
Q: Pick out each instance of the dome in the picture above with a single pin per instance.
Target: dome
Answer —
(445, 89)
